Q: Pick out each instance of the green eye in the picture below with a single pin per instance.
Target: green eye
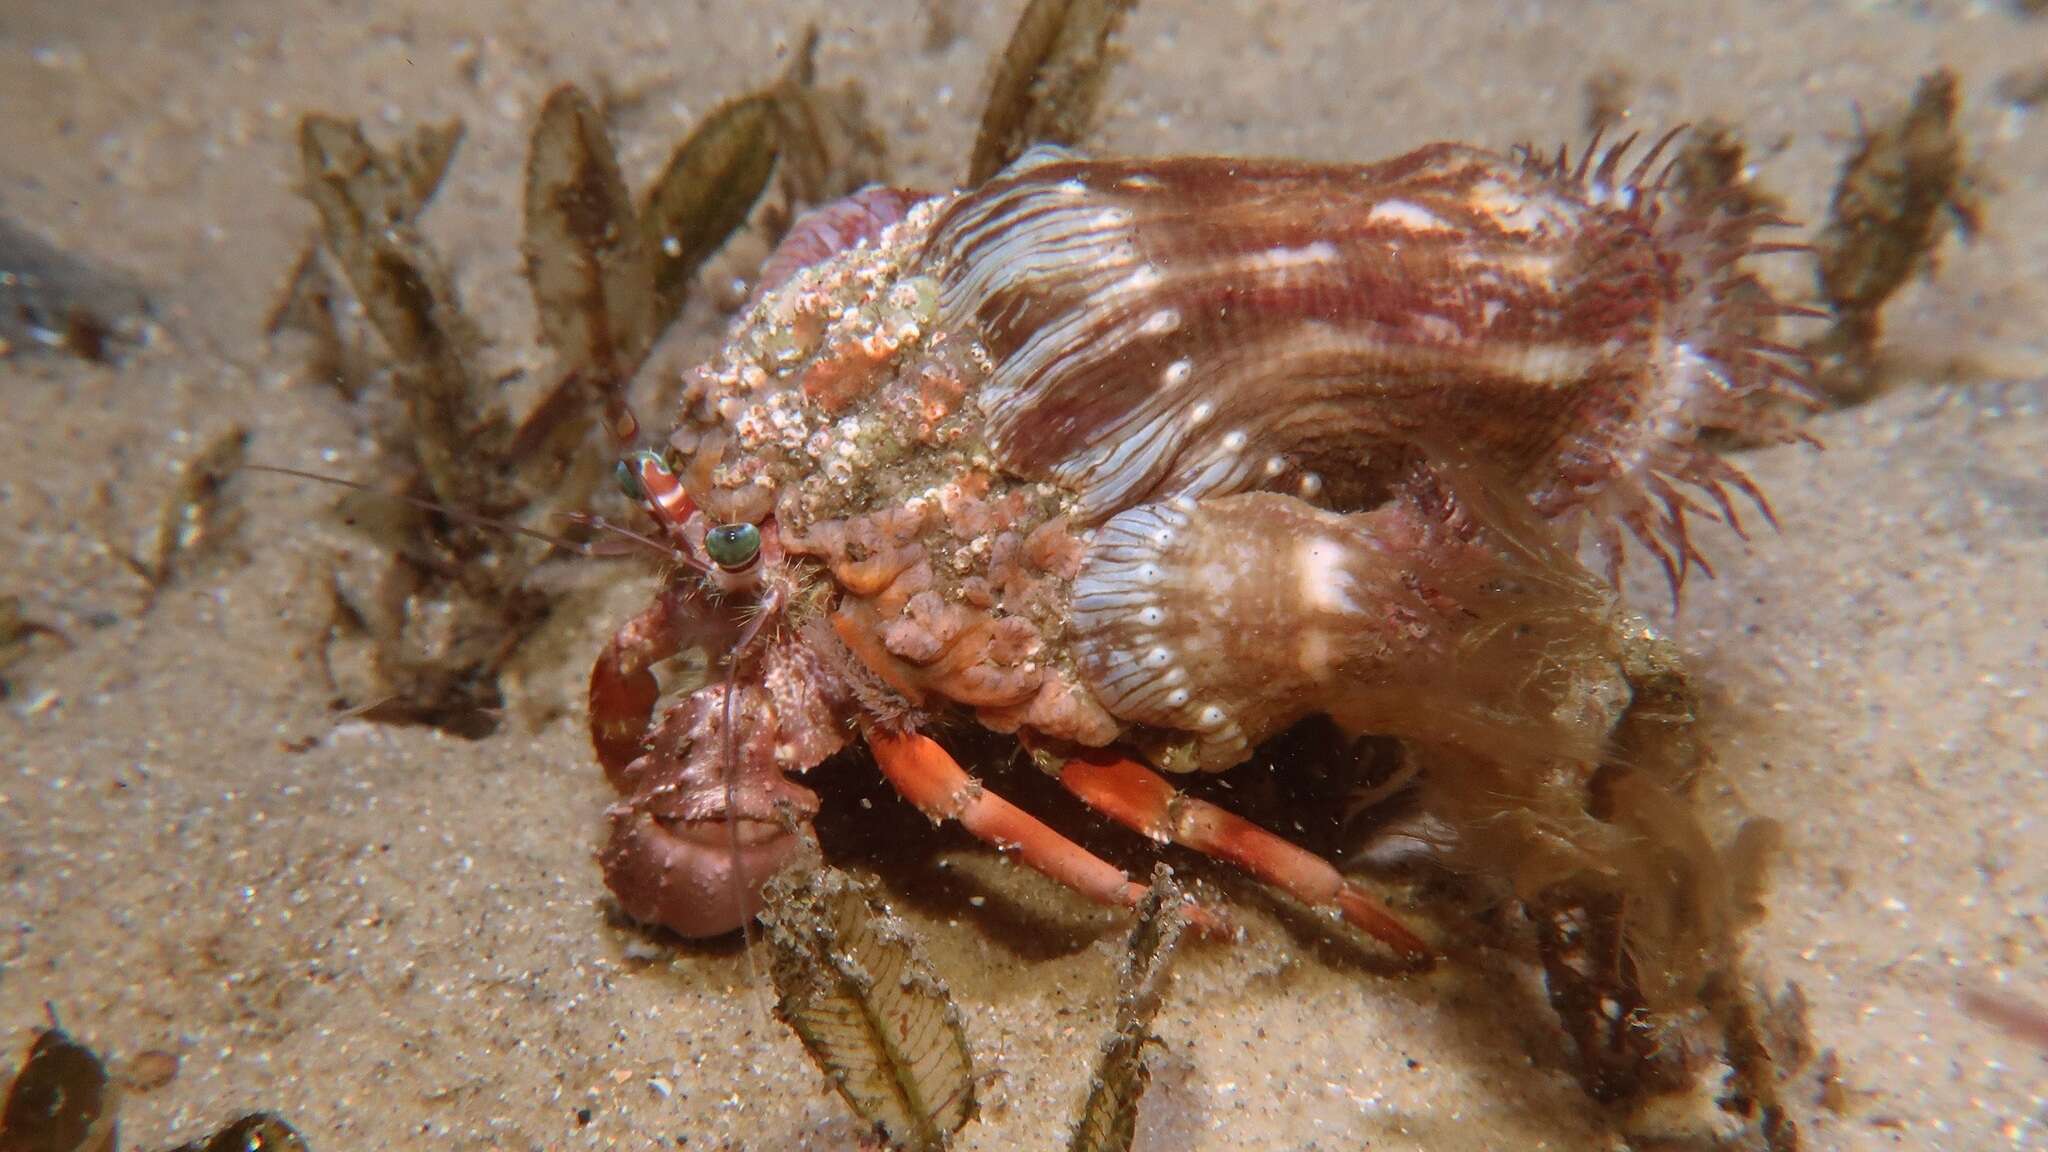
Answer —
(632, 467)
(733, 546)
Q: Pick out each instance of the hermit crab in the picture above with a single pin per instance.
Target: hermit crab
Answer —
(1145, 460)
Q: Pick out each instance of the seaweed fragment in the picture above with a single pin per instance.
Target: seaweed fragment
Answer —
(310, 301)
(255, 1132)
(62, 1100)
(1712, 169)
(828, 147)
(56, 302)
(427, 639)
(589, 266)
(941, 24)
(196, 514)
(1045, 86)
(19, 637)
(706, 191)
(2025, 87)
(1595, 989)
(309, 304)
(1109, 1117)
(451, 601)
(874, 1016)
(367, 203)
(1635, 900)
(1900, 193)
(1753, 1069)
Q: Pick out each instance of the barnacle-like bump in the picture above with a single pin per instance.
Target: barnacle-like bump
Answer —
(733, 546)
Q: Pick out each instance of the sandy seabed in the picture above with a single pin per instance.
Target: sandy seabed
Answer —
(399, 939)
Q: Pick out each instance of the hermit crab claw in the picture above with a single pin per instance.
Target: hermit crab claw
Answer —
(708, 815)
(696, 878)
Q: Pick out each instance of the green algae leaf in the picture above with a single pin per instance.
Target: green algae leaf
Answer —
(1045, 86)
(1109, 1119)
(592, 278)
(62, 1101)
(256, 1132)
(705, 193)
(870, 1010)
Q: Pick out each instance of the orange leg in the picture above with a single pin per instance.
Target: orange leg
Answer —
(924, 774)
(1141, 800)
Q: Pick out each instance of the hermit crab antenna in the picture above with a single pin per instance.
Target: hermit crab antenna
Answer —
(464, 516)
(771, 606)
(646, 479)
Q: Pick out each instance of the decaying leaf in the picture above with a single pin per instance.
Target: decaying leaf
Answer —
(1045, 86)
(149, 1070)
(828, 147)
(1109, 1118)
(256, 1132)
(591, 271)
(1712, 168)
(450, 600)
(61, 1101)
(705, 193)
(423, 161)
(18, 637)
(196, 514)
(308, 303)
(1901, 191)
(868, 1007)
(52, 300)
(366, 204)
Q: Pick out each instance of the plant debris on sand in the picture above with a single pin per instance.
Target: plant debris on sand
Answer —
(63, 1100)
(427, 624)
(1903, 189)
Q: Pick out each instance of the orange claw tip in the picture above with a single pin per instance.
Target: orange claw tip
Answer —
(684, 877)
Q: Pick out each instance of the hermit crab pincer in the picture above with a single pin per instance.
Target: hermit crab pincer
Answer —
(1146, 460)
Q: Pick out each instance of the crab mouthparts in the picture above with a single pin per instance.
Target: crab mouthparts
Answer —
(686, 876)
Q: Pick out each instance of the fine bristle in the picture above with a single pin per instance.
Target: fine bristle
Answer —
(1724, 372)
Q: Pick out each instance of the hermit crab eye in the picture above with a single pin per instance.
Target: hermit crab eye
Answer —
(733, 546)
(630, 469)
